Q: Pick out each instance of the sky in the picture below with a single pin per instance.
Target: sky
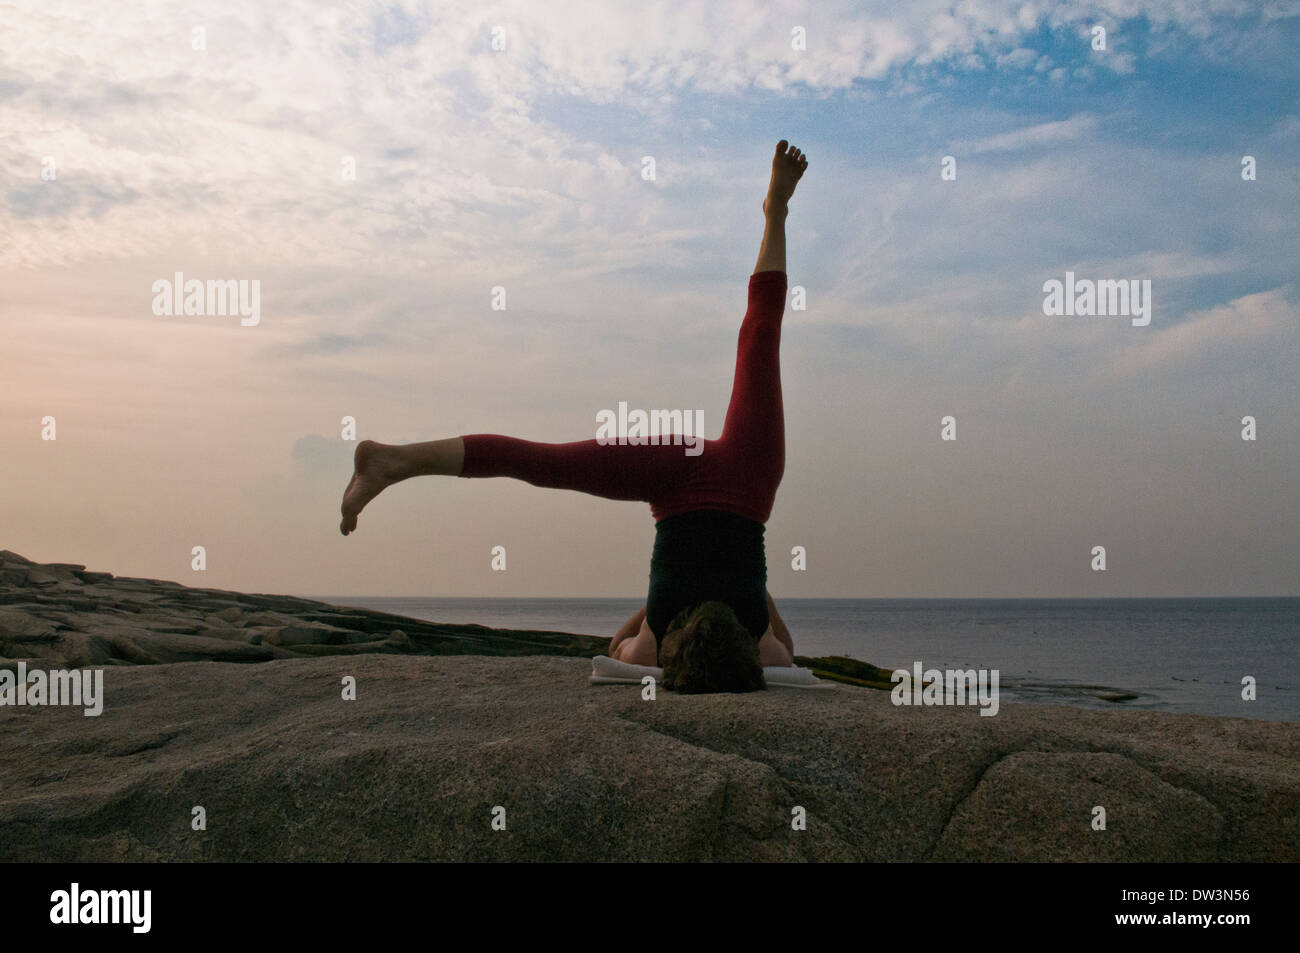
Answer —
(386, 171)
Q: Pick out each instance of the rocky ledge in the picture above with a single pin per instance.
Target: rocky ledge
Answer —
(60, 615)
(432, 751)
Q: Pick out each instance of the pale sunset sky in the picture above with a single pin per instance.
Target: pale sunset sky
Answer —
(127, 155)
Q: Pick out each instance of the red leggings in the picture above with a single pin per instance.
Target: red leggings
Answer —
(739, 472)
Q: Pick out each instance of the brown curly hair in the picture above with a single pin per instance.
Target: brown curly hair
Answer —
(706, 649)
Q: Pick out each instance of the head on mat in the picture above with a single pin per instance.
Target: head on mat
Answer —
(706, 649)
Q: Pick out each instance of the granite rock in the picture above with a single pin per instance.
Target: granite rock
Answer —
(287, 770)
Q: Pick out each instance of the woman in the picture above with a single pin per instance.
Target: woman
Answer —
(708, 620)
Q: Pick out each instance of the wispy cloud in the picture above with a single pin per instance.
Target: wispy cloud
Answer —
(1043, 134)
(507, 148)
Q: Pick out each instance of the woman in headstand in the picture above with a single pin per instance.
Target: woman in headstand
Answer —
(708, 619)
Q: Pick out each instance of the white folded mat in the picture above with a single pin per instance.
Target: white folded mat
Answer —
(610, 671)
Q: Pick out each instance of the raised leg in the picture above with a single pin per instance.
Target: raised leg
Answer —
(745, 464)
(752, 443)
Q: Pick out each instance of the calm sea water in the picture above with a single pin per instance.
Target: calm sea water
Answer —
(1185, 655)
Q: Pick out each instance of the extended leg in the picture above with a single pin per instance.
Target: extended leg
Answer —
(742, 469)
(611, 471)
(749, 456)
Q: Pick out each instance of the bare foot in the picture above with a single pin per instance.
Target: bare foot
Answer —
(787, 168)
(375, 468)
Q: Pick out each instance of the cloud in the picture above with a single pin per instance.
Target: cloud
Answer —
(239, 147)
(1043, 134)
(1117, 62)
(1250, 332)
(1018, 59)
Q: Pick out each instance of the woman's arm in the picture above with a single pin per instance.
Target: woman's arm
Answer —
(635, 643)
(778, 625)
(630, 628)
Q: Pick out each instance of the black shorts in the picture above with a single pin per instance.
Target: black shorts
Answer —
(705, 556)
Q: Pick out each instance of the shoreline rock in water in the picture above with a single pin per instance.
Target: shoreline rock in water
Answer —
(286, 769)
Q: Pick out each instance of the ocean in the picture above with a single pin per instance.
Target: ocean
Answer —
(1178, 655)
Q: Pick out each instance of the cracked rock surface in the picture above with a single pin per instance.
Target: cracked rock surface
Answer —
(411, 770)
(449, 722)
